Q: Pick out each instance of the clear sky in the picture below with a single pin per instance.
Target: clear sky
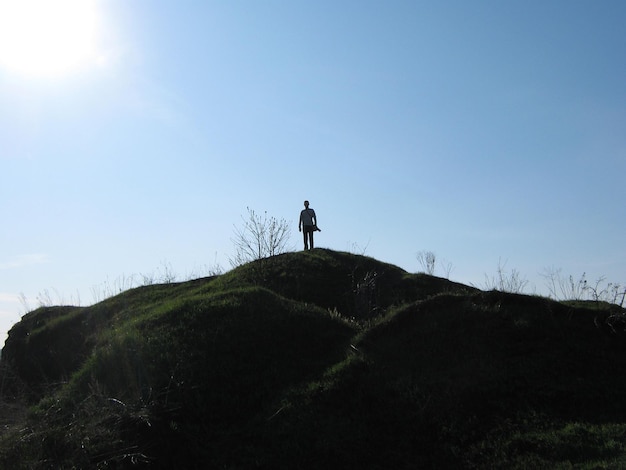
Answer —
(134, 134)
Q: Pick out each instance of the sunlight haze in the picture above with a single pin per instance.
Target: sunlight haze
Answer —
(46, 38)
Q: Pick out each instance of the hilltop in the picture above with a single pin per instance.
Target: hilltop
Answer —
(311, 360)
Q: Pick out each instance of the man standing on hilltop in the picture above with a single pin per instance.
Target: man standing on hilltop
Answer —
(307, 225)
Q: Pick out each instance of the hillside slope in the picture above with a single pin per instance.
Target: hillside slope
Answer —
(317, 359)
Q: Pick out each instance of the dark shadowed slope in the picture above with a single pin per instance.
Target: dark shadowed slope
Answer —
(314, 360)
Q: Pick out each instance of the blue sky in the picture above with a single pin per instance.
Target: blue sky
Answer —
(487, 132)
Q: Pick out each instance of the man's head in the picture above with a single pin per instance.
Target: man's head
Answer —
(306, 204)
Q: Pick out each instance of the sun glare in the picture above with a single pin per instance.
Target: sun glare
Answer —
(47, 37)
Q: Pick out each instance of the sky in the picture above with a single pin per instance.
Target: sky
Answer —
(135, 134)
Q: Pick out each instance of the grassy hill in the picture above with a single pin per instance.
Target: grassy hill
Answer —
(316, 359)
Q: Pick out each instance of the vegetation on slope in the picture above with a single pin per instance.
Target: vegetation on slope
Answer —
(313, 359)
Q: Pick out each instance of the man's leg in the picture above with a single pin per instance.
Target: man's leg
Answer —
(311, 238)
(306, 240)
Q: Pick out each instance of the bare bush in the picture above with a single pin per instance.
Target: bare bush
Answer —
(427, 260)
(260, 237)
(606, 292)
(168, 275)
(208, 270)
(446, 267)
(111, 288)
(564, 287)
(505, 281)
(356, 249)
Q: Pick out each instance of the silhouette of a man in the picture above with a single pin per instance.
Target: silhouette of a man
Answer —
(307, 225)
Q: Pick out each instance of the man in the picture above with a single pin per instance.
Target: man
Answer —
(307, 225)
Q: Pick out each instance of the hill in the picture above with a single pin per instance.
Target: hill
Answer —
(312, 360)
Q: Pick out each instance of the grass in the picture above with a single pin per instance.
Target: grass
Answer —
(311, 360)
(565, 445)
